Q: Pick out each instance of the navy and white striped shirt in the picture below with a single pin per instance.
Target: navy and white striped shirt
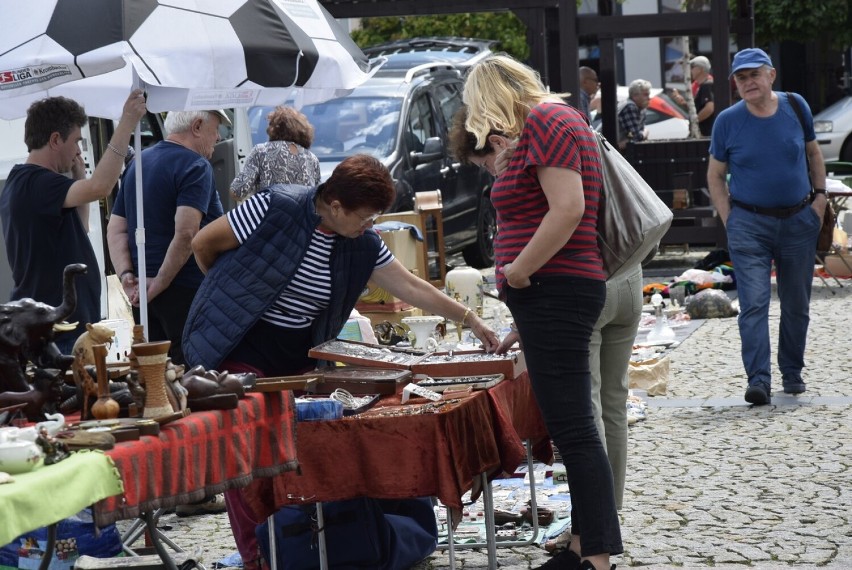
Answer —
(309, 292)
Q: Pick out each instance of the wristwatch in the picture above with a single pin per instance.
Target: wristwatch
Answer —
(820, 191)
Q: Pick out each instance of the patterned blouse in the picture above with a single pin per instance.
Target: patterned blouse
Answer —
(272, 163)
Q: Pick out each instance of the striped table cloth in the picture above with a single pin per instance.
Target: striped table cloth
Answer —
(203, 454)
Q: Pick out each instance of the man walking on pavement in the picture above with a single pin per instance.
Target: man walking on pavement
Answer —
(771, 215)
(179, 199)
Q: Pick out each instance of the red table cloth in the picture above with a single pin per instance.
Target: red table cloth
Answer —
(203, 454)
(430, 454)
(514, 404)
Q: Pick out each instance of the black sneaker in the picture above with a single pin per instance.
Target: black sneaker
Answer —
(758, 394)
(563, 560)
(793, 384)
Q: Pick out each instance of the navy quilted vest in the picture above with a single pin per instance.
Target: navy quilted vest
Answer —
(243, 283)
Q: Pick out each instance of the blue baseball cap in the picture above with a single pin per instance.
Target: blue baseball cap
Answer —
(749, 59)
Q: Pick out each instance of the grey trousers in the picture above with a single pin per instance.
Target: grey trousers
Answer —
(610, 349)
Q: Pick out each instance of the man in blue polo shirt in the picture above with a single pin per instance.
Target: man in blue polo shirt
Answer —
(771, 215)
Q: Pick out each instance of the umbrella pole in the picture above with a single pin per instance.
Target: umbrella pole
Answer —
(140, 233)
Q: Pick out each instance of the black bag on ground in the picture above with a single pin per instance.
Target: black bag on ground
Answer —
(363, 533)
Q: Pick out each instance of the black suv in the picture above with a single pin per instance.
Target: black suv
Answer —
(402, 116)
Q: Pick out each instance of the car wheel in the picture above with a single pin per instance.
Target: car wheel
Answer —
(480, 254)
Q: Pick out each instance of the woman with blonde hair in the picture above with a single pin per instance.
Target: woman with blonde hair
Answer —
(285, 159)
(550, 274)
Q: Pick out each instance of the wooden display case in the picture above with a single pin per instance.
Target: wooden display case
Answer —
(366, 354)
(471, 363)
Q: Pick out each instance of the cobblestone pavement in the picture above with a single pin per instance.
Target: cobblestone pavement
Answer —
(713, 482)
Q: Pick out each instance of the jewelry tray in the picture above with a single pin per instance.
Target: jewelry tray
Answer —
(440, 384)
(357, 380)
(366, 354)
(360, 381)
(470, 363)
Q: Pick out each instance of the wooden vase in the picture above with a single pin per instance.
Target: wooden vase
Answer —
(138, 338)
(152, 358)
(105, 408)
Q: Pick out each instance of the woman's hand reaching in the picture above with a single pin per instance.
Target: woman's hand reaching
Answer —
(490, 340)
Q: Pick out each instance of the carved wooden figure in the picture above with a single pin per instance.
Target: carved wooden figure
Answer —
(95, 334)
(105, 408)
(86, 387)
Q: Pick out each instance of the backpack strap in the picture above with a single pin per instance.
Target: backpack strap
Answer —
(798, 109)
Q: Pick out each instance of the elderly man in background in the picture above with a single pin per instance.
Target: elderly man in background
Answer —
(702, 94)
(631, 113)
(771, 214)
(180, 198)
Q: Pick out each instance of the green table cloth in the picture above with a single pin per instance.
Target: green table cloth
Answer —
(50, 493)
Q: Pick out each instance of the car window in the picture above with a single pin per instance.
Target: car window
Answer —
(343, 126)
(420, 123)
(449, 101)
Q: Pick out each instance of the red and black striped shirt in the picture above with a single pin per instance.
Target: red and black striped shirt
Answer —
(554, 135)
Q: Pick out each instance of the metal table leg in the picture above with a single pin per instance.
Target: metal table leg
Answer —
(156, 536)
(323, 552)
(490, 536)
(490, 531)
(450, 540)
(49, 548)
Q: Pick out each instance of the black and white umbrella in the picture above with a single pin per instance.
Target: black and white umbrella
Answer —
(186, 54)
(189, 54)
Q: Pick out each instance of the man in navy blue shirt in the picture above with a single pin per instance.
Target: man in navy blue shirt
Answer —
(179, 197)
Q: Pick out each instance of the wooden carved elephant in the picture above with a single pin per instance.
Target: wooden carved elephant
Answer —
(26, 334)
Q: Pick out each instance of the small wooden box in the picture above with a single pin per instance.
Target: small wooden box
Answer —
(510, 365)
(362, 380)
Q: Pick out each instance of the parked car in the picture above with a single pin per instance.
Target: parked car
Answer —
(402, 116)
(833, 126)
(406, 53)
(663, 117)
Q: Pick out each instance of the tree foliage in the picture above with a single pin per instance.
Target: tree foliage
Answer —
(802, 20)
(502, 26)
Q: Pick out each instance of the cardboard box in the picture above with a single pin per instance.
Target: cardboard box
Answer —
(404, 246)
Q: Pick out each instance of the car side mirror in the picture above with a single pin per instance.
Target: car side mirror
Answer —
(433, 150)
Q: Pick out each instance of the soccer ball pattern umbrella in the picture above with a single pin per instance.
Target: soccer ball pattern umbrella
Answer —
(187, 54)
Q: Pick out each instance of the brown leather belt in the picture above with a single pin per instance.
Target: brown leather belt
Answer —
(774, 212)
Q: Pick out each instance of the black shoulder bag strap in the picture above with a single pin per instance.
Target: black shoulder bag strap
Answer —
(829, 219)
(798, 110)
